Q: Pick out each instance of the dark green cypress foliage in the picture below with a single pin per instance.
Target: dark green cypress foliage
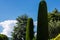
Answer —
(29, 29)
(42, 25)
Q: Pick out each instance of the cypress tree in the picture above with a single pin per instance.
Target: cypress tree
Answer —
(42, 25)
(29, 29)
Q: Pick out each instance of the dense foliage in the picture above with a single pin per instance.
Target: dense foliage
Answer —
(20, 28)
(29, 29)
(54, 23)
(3, 37)
(42, 26)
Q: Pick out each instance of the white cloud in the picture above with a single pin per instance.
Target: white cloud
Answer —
(35, 23)
(35, 34)
(8, 26)
(35, 26)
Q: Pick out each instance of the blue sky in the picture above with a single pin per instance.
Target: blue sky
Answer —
(11, 9)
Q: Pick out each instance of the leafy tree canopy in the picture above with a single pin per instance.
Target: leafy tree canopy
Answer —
(20, 28)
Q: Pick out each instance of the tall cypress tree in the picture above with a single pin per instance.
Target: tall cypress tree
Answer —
(42, 25)
(29, 29)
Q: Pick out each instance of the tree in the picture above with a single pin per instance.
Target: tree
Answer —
(42, 25)
(3, 37)
(20, 28)
(54, 16)
(53, 23)
(55, 11)
(29, 29)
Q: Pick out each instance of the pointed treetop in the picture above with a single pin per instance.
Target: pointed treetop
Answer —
(55, 11)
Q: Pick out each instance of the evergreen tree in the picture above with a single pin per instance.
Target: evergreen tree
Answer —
(29, 29)
(42, 26)
(20, 28)
(55, 11)
(53, 23)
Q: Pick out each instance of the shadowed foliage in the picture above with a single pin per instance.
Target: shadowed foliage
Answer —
(3, 37)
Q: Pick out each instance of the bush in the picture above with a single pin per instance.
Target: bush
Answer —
(3, 37)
